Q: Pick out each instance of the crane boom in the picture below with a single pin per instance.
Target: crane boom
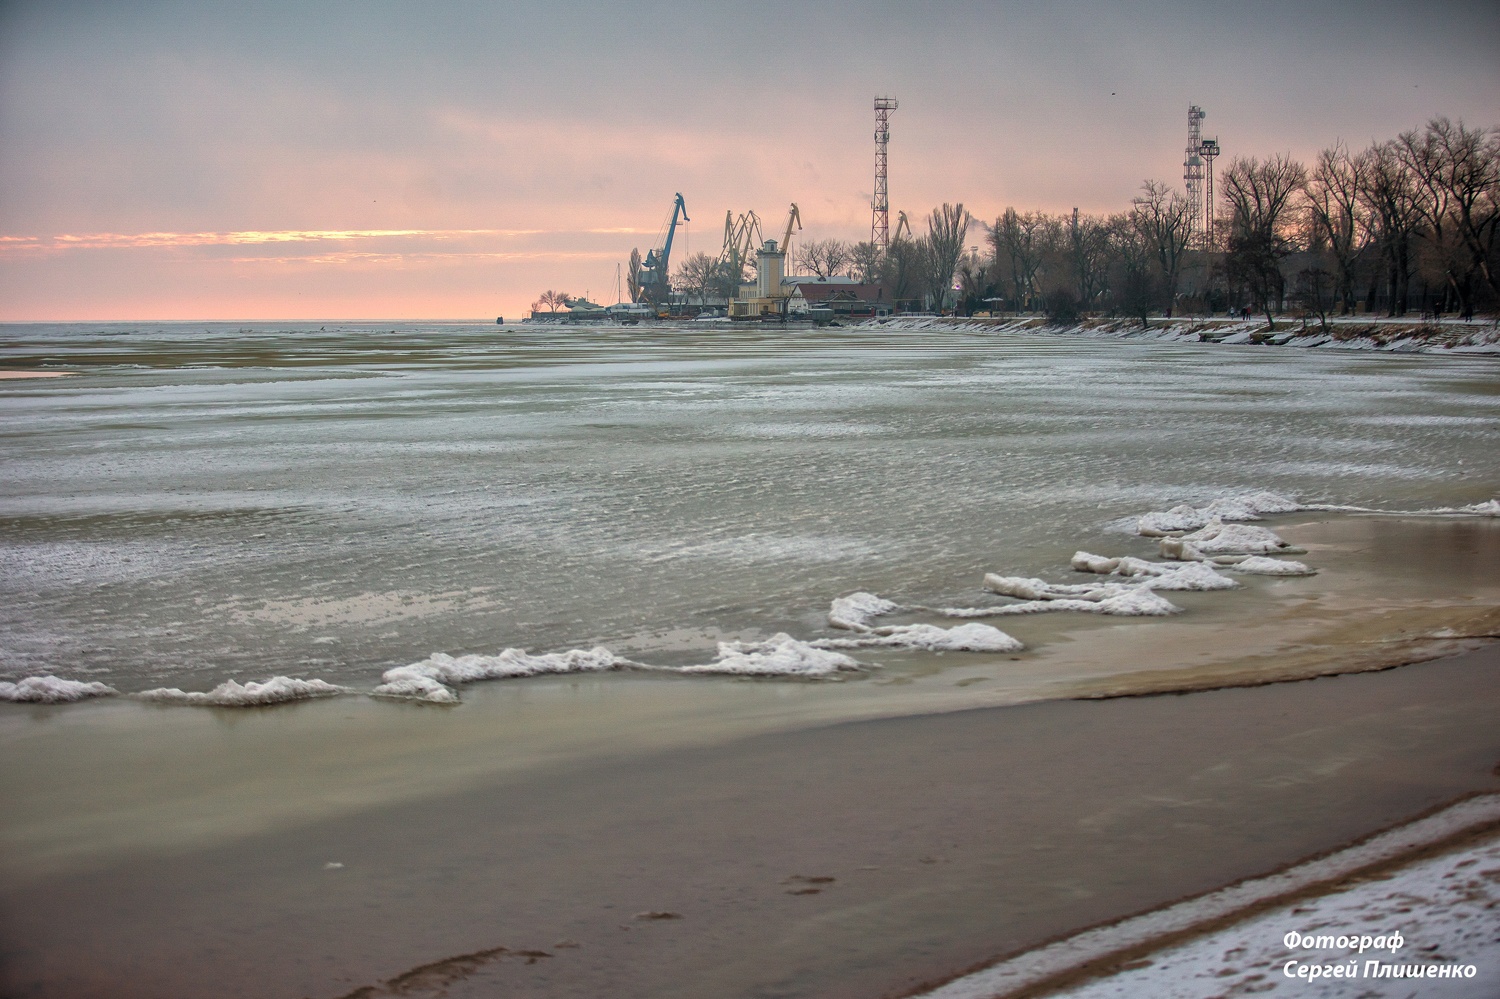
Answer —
(901, 223)
(678, 206)
(739, 237)
(655, 275)
(794, 217)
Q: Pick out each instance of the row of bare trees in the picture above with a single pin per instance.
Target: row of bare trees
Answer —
(1415, 219)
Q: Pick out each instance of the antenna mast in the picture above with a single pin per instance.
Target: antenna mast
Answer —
(880, 215)
(1192, 172)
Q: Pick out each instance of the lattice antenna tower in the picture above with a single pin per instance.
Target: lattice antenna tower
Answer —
(1192, 172)
(1209, 148)
(880, 205)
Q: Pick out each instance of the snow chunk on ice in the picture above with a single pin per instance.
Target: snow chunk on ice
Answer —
(232, 694)
(1259, 565)
(411, 682)
(51, 690)
(1085, 562)
(779, 655)
(1159, 523)
(1189, 575)
(1141, 602)
(1245, 506)
(1219, 538)
(855, 611)
(1025, 588)
(1128, 601)
(430, 679)
(962, 638)
(1186, 576)
(512, 663)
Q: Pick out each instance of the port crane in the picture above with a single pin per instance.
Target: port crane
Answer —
(901, 224)
(655, 277)
(741, 235)
(795, 217)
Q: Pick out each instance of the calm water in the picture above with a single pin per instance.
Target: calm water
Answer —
(206, 502)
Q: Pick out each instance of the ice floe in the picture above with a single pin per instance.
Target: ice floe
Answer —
(779, 655)
(960, 638)
(1117, 599)
(432, 678)
(855, 611)
(232, 694)
(1240, 507)
(1219, 538)
(1197, 545)
(51, 690)
(1158, 575)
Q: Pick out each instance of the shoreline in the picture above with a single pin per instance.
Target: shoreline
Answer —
(869, 856)
(1449, 337)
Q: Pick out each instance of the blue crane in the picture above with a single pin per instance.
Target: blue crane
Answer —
(654, 285)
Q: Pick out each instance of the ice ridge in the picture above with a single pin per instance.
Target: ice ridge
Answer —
(434, 678)
(779, 655)
(50, 689)
(232, 694)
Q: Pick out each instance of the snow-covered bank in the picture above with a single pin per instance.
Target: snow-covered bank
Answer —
(1442, 908)
(1397, 336)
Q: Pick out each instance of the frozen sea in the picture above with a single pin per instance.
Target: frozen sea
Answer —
(204, 502)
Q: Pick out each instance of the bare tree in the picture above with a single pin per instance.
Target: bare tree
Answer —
(1135, 287)
(864, 262)
(1259, 196)
(697, 276)
(825, 257)
(1164, 219)
(633, 276)
(973, 277)
(947, 227)
(1336, 217)
(1089, 253)
(1453, 169)
(901, 270)
(552, 301)
(1389, 194)
(1018, 242)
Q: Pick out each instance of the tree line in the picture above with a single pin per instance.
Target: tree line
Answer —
(1411, 223)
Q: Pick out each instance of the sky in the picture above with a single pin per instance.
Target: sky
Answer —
(452, 159)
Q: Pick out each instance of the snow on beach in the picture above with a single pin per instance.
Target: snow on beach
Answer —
(1446, 911)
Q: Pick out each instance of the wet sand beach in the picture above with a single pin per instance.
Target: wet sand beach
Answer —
(859, 859)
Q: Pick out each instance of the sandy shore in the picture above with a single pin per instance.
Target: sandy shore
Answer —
(851, 860)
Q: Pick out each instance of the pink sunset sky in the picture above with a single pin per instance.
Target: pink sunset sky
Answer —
(346, 160)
